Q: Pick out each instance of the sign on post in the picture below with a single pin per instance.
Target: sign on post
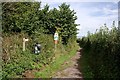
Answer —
(56, 38)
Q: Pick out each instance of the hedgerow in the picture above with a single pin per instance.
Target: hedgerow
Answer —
(102, 50)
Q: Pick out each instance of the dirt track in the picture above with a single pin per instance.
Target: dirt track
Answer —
(73, 71)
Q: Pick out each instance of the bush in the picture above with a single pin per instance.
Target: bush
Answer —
(16, 61)
(102, 51)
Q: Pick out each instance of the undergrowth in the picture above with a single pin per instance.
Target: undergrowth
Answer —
(16, 62)
(50, 71)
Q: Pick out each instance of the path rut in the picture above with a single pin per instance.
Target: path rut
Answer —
(73, 71)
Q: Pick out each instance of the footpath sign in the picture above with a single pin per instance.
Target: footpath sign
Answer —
(56, 37)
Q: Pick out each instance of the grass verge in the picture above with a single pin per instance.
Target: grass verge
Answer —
(50, 70)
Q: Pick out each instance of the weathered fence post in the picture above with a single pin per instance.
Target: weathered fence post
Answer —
(24, 40)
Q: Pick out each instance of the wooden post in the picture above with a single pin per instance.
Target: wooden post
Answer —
(55, 46)
(24, 40)
(23, 45)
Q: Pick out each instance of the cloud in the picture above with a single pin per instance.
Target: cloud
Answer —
(78, 0)
(108, 11)
(91, 15)
(51, 4)
(92, 22)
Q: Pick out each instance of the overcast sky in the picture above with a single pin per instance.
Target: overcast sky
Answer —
(92, 14)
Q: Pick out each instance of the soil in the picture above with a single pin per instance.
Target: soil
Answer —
(73, 71)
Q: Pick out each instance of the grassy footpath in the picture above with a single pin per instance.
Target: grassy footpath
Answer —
(50, 70)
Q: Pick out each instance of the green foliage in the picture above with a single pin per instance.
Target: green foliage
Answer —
(66, 22)
(28, 17)
(20, 16)
(101, 51)
(50, 70)
(15, 61)
(27, 20)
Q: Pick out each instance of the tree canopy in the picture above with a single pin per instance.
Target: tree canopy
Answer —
(28, 17)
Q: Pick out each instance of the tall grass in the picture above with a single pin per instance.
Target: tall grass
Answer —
(16, 62)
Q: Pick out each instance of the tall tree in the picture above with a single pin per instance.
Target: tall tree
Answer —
(30, 18)
(67, 22)
(20, 16)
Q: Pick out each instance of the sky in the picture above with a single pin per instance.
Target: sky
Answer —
(92, 14)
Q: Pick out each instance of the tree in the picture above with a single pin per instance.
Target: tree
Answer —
(67, 22)
(29, 18)
(20, 16)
